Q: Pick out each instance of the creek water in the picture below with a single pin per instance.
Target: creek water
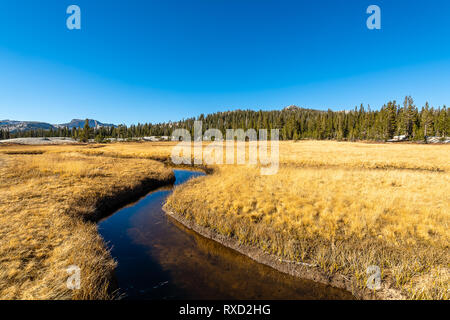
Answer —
(158, 258)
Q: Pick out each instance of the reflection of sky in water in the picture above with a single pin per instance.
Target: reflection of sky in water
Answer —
(158, 258)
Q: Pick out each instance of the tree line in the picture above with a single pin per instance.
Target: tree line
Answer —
(293, 122)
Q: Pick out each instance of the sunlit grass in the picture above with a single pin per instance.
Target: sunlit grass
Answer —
(45, 201)
(340, 206)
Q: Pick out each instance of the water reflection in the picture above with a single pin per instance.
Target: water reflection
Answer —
(158, 258)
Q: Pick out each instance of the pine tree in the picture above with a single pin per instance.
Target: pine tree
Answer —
(391, 121)
(427, 121)
(84, 136)
(443, 122)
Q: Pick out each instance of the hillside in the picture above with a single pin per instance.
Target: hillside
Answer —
(79, 123)
(14, 126)
(294, 123)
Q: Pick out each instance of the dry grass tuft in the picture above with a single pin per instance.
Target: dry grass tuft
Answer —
(46, 199)
(340, 206)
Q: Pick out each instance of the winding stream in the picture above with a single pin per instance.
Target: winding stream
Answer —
(158, 258)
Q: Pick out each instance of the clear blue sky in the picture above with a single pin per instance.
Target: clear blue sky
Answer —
(138, 61)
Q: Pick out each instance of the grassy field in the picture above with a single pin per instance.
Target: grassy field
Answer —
(341, 207)
(48, 195)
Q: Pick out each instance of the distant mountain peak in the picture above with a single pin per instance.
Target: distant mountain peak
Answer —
(79, 123)
(15, 126)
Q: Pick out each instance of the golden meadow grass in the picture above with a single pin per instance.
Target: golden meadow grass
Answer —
(341, 206)
(46, 199)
